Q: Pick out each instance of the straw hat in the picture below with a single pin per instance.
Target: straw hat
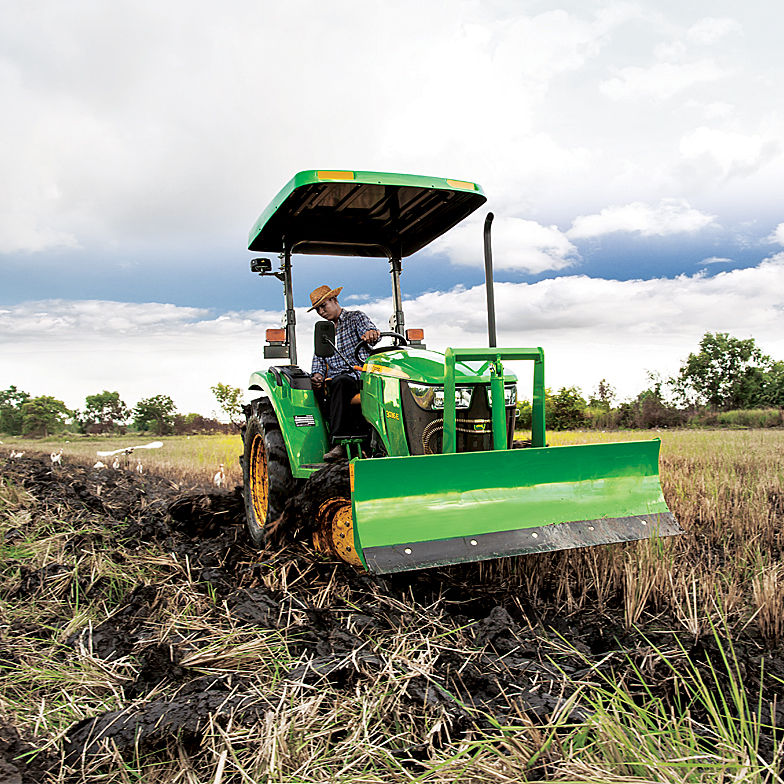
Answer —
(322, 294)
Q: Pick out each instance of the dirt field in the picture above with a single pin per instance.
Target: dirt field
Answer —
(144, 640)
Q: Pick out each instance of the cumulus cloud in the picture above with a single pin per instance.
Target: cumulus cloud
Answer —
(139, 116)
(716, 260)
(96, 317)
(71, 349)
(670, 216)
(21, 231)
(713, 110)
(712, 29)
(659, 306)
(726, 154)
(660, 81)
(517, 244)
(590, 328)
(133, 124)
(777, 235)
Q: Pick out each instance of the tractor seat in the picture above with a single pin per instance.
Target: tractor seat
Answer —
(356, 400)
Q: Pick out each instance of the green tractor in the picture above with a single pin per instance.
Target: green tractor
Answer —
(440, 479)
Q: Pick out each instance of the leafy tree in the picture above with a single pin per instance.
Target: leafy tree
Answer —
(602, 399)
(11, 401)
(726, 373)
(196, 423)
(566, 409)
(230, 401)
(104, 412)
(43, 415)
(524, 414)
(773, 386)
(158, 410)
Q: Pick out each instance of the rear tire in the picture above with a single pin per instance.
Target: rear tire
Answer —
(266, 471)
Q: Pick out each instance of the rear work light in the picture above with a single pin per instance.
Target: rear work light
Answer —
(277, 347)
(415, 338)
(276, 335)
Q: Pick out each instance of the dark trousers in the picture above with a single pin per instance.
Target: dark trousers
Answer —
(345, 420)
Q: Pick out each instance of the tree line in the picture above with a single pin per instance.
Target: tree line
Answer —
(105, 412)
(728, 381)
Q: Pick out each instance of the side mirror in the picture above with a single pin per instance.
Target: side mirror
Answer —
(260, 265)
(324, 339)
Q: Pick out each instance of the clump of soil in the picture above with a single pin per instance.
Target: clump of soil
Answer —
(498, 662)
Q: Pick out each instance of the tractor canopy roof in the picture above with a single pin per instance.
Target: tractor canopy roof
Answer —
(361, 213)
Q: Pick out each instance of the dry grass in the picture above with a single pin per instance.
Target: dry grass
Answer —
(725, 573)
(726, 488)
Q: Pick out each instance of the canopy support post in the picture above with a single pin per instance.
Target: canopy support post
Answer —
(398, 320)
(291, 316)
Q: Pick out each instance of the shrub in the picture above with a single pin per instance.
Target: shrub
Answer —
(524, 415)
(649, 410)
(601, 418)
(752, 417)
(192, 424)
(566, 409)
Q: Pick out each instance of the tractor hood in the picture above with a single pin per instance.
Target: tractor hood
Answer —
(360, 213)
(425, 367)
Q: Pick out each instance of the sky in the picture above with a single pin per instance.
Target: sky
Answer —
(632, 153)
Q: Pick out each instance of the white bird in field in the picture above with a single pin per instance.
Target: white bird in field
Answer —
(57, 458)
(116, 463)
(99, 464)
(128, 449)
(14, 454)
(220, 478)
(139, 469)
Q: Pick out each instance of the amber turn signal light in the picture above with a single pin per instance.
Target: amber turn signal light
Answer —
(415, 334)
(276, 335)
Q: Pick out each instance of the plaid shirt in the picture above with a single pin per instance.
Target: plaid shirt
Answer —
(350, 327)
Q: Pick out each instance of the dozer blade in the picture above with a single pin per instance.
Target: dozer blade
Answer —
(432, 510)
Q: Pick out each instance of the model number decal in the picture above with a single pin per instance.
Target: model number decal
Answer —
(307, 420)
(392, 415)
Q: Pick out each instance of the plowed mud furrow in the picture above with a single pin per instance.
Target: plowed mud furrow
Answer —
(217, 634)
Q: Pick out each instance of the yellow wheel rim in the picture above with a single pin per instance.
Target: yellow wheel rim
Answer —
(334, 534)
(259, 480)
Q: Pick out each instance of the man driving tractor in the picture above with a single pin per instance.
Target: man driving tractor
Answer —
(354, 333)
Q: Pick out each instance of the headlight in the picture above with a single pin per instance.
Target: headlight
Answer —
(431, 398)
(510, 394)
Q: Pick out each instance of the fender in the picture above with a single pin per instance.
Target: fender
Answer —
(299, 417)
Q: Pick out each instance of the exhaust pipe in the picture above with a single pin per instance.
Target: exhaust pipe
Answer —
(491, 336)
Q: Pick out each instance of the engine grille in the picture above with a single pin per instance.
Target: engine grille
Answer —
(424, 429)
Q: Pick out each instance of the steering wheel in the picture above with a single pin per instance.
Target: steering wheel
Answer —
(400, 340)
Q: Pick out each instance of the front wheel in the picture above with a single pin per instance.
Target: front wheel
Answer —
(333, 532)
(267, 478)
